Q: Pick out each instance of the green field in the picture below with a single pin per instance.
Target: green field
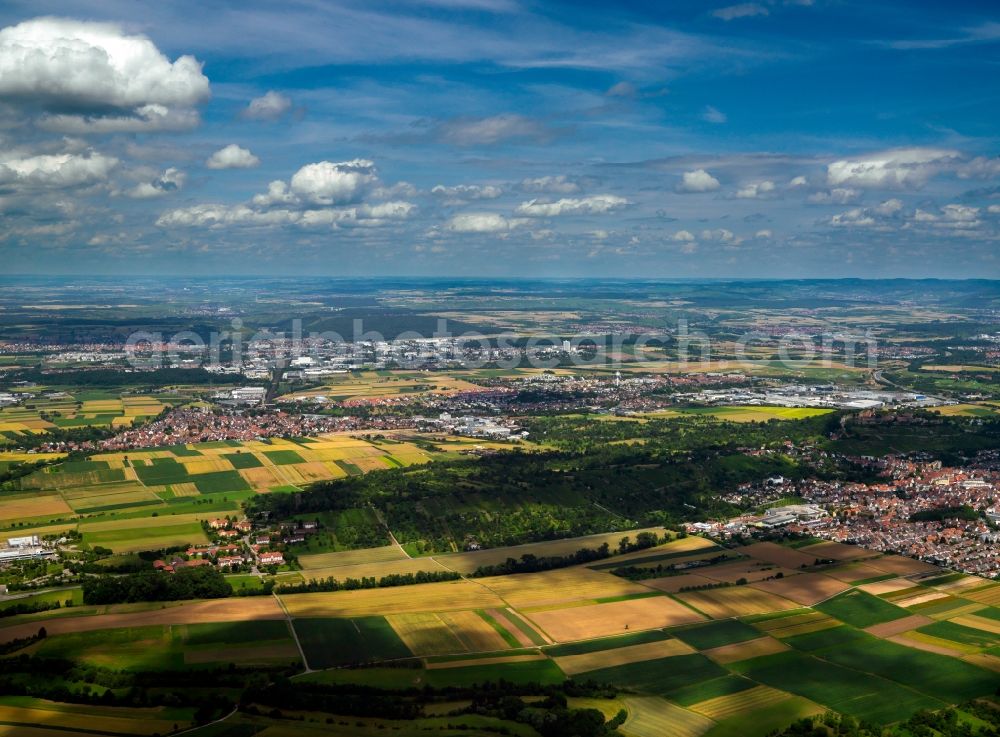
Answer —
(243, 460)
(330, 642)
(166, 647)
(848, 691)
(716, 634)
(960, 633)
(283, 457)
(860, 609)
(543, 672)
(220, 482)
(661, 677)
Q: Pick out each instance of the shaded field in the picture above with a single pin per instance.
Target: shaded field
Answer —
(330, 642)
(220, 610)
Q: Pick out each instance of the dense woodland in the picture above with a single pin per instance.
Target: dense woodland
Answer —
(673, 471)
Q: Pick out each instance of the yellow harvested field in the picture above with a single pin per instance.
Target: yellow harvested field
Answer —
(805, 588)
(673, 584)
(373, 570)
(446, 633)
(426, 634)
(751, 570)
(854, 572)
(145, 522)
(930, 644)
(886, 587)
(745, 650)
(261, 478)
(980, 623)
(689, 544)
(898, 626)
(574, 664)
(470, 561)
(218, 610)
(986, 595)
(838, 551)
(958, 611)
(24, 506)
(920, 598)
(199, 465)
(501, 617)
(735, 601)
(559, 586)
(778, 555)
(955, 588)
(19, 457)
(427, 597)
(85, 492)
(118, 498)
(990, 662)
(901, 566)
(101, 720)
(475, 633)
(352, 557)
(651, 716)
(790, 620)
(741, 702)
(615, 618)
(804, 628)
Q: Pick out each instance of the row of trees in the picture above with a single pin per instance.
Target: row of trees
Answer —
(203, 582)
(368, 582)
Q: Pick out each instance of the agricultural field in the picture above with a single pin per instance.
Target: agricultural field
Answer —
(171, 647)
(735, 601)
(22, 715)
(755, 414)
(114, 498)
(734, 660)
(71, 409)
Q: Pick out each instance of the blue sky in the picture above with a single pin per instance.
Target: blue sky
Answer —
(495, 137)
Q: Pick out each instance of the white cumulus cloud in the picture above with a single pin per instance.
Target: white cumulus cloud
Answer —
(754, 190)
(56, 171)
(594, 205)
(483, 222)
(334, 183)
(269, 106)
(101, 71)
(232, 157)
(889, 207)
(857, 217)
(902, 168)
(835, 196)
(559, 184)
(171, 180)
(698, 180)
(464, 192)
